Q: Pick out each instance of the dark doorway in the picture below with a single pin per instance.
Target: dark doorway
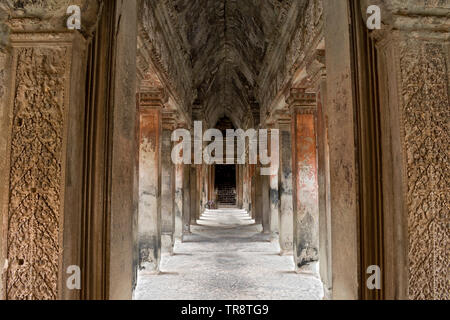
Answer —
(225, 182)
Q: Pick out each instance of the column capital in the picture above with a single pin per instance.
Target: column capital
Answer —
(300, 101)
(283, 119)
(197, 111)
(153, 98)
(182, 125)
(169, 121)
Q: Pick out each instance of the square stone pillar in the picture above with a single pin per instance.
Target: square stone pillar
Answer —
(240, 186)
(414, 76)
(178, 203)
(167, 185)
(323, 154)
(203, 189)
(246, 199)
(186, 218)
(285, 185)
(42, 101)
(273, 196)
(179, 190)
(150, 106)
(195, 194)
(257, 213)
(265, 199)
(305, 186)
(253, 204)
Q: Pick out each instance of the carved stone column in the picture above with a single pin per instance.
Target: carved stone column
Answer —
(414, 64)
(285, 184)
(305, 187)
(150, 112)
(45, 113)
(42, 83)
(167, 184)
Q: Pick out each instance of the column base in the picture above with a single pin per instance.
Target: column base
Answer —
(284, 253)
(167, 243)
(150, 268)
(310, 268)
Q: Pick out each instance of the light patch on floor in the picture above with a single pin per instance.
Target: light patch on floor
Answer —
(228, 258)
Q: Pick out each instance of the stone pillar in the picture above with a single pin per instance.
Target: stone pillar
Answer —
(204, 188)
(42, 116)
(246, 189)
(178, 202)
(285, 185)
(42, 113)
(324, 186)
(305, 187)
(239, 185)
(195, 194)
(257, 213)
(167, 185)
(274, 199)
(341, 126)
(265, 186)
(414, 76)
(253, 204)
(151, 104)
(186, 219)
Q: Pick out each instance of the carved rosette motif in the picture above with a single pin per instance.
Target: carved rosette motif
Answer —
(33, 248)
(424, 80)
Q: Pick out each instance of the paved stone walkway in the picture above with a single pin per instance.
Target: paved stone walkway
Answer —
(227, 258)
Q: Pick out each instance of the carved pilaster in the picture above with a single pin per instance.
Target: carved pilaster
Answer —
(413, 47)
(42, 109)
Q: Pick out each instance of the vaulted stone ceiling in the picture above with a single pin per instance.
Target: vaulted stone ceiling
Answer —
(228, 40)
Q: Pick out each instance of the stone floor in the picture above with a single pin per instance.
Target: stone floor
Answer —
(228, 258)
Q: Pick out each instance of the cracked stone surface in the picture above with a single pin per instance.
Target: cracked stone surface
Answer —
(228, 258)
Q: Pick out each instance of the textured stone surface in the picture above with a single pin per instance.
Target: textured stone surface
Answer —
(36, 168)
(150, 188)
(425, 115)
(227, 257)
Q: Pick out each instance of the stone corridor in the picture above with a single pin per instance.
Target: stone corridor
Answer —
(323, 123)
(227, 258)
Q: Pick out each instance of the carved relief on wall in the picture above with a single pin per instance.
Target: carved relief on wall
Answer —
(425, 113)
(35, 192)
